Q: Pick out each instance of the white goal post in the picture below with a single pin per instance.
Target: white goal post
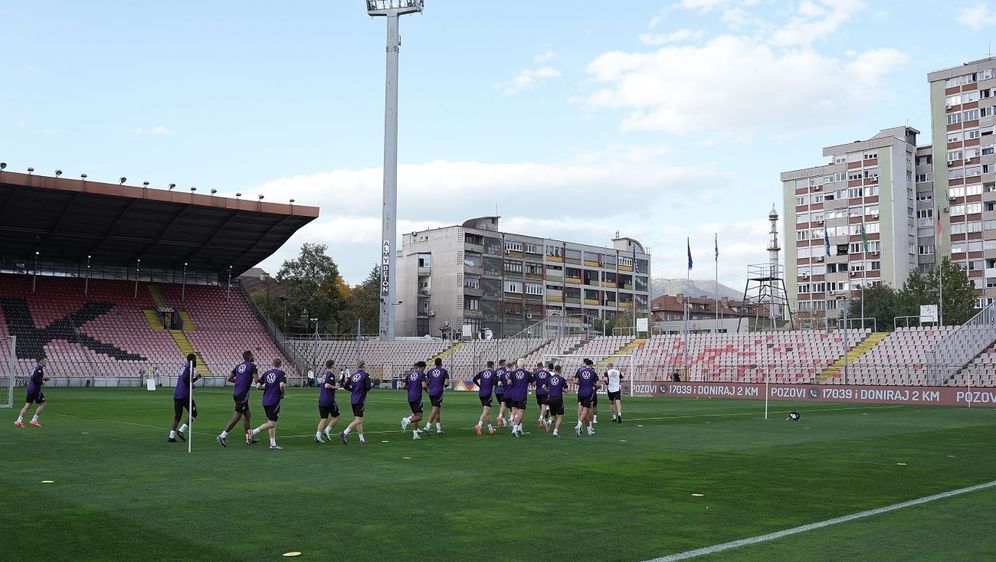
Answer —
(625, 363)
(8, 370)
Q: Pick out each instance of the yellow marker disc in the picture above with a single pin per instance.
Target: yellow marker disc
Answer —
(697, 495)
(407, 458)
(385, 441)
(48, 481)
(901, 463)
(291, 554)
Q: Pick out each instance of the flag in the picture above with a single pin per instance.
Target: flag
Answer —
(689, 242)
(826, 239)
(937, 219)
(636, 267)
(864, 238)
(716, 242)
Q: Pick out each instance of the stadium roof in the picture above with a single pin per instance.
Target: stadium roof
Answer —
(69, 219)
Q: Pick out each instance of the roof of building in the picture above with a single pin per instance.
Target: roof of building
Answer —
(69, 219)
(701, 305)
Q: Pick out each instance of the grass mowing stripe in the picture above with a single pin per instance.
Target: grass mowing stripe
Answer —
(820, 524)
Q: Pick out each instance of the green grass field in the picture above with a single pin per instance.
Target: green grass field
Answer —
(121, 491)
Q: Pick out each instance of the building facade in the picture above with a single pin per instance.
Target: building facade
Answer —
(477, 276)
(851, 222)
(963, 183)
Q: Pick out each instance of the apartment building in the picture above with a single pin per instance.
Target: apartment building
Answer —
(477, 276)
(851, 221)
(963, 183)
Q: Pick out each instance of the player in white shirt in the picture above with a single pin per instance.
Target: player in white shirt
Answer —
(613, 381)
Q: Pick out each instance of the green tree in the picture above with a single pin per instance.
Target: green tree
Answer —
(880, 304)
(314, 290)
(364, 303)
(959, 293)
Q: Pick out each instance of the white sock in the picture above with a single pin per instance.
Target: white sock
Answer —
(172, 434)
(183, 428)
(427, 427)
(439, 426)
(579, 424)
(362, 439)
(345, 431)
(406, 420)
(255, 432)
(318, 435)
(273, 441)
(34, 418)
(223, 434)
(489, 427)
(20, 419)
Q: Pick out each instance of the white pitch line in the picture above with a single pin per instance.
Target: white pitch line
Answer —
(820, 524)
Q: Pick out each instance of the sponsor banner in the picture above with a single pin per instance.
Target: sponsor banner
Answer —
(913, 395)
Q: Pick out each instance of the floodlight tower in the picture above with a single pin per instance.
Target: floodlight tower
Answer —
(392, 10)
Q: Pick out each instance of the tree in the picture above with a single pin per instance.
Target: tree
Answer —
(880, 304)
(314, 290)
(959, 293)
(364, 304)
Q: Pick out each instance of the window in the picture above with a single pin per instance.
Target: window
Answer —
(954, 155)
(926, 250)
(532, 248)
(511, 246)
(424, 260)
(870, 155)
(472, 282)
(471, 303)
(512, 266)
(533, 289)
(986, 74)
(553, 251)
(513, 287)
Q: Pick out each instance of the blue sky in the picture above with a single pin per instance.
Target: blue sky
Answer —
(658, 119)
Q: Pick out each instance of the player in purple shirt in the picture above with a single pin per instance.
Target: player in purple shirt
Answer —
(500, 373)
(436, 380)
(415, 383)
(358, 384)
(243, 375)
(328, 383)
(556, 385)
(541, 378)
(588, 384)
(274, 383)
(35, 394)
(486, 383)
(520, 379)
(181, 399)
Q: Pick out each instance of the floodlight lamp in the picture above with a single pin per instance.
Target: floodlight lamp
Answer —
(171, 186)
(145, 184)
(399, 7)
(83, 176)
(292, 201)
(260, 196)
(31, 170)
(213, 191)
(3, 165)
(123, 180)
(58, 173)
(238, 195)
(193, 189)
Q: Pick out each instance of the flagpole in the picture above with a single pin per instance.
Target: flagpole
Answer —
(688, 278)
(190, 405)
(940, 270)
(716, 300)
(864, 265)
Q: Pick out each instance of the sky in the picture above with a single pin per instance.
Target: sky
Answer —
(662, 120)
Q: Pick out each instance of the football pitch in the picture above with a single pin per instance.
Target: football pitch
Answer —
(677, 476)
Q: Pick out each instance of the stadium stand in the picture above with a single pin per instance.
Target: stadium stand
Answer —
(899, 359)
(980, 372)
(786, 357)
(108, 332)
(384, 360)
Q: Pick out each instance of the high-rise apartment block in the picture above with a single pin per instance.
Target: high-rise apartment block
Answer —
(477, 276)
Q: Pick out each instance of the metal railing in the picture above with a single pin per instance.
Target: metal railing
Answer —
(956, 349)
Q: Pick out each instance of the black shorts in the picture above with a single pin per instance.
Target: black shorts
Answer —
(272, 412)
(416, 406)
(594, 398)
(586, 402)
(35, 398)
(241, 404)
(556, 406)
(509, 403)
(518, 404)
(617, 395)
(331, 410)
(179, 404)
(358, 409)
(485, 401)
(436, 401)
(500, 398)
(542, 399)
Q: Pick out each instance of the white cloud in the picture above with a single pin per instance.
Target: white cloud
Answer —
(735, 84)
(978, 16)
(815, 19)
(544, 56)
(681, 35)
(526, 79)
(564, 199)
(158, 131)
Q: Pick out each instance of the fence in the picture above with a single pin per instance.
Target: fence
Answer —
(959, 347)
